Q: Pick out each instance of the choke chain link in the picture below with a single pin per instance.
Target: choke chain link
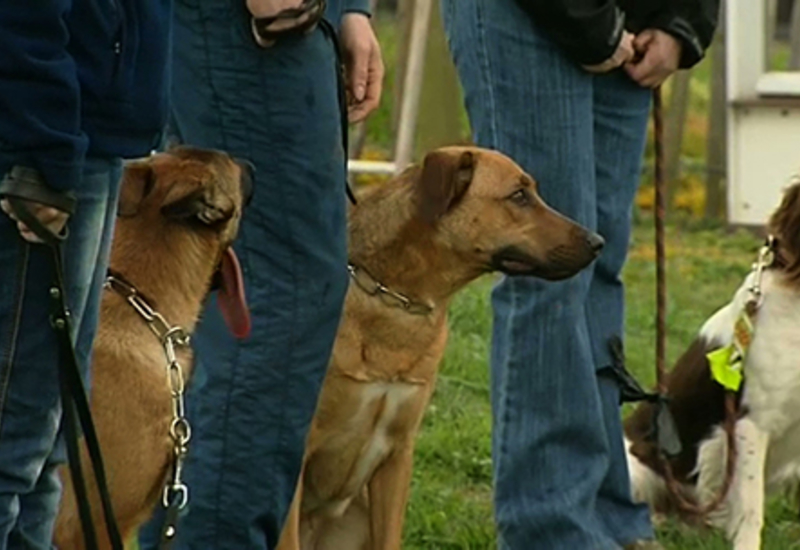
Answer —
(172, 338)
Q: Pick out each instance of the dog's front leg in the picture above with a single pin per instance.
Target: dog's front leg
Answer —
(290, 534)
(742, 515)
(388, 495)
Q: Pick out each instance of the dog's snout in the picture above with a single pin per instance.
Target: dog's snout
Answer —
(595, 242)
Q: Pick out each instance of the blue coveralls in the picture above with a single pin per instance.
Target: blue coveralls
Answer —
(251, 402)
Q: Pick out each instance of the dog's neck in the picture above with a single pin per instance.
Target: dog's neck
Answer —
(399, 250)
(175, 283)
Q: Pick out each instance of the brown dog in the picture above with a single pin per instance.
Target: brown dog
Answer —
(414, 243)
(179, 213)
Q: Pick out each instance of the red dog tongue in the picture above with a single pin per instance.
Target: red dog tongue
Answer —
(231, 299)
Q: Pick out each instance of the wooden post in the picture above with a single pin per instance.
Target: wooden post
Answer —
(359, 131)
(441, 115)
(674, 129)
(794, 38)
(403, 17)
(771, 23)
(716, 147)
(412, 84)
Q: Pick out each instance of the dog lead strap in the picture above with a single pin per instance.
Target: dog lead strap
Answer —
(341, 92)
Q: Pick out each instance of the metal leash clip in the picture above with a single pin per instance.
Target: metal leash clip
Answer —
(766, 257)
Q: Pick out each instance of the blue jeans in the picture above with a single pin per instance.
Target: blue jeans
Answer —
(30, 407)
(251, 402)
(560, 475)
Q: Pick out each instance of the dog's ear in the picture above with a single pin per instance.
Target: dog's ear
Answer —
(195, 201)
(785, 225)
(444, 180)
(138, 180)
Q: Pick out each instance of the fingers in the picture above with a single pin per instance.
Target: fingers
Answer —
(659, 58)
(644, 69)
(373, 89)
(358, 71)
(643, 40)
(53, 219)
(27, 234)
(628, 50)
(623, 54)
(364, 66)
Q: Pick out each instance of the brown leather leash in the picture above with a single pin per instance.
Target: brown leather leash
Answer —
(731, 407)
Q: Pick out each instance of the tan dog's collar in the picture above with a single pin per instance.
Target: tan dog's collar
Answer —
(155, 321)
(366, 282)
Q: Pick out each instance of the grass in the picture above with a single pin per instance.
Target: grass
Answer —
(451, 504)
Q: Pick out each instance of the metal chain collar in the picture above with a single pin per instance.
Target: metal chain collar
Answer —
(172, 338)
(373, 287)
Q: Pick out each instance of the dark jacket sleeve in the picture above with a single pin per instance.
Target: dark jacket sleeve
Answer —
(358, 6)
(39, 93)
(693, 22)
(589, 31)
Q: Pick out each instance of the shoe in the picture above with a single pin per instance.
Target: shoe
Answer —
(644, 545)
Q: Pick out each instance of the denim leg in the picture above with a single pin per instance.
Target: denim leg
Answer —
(551, 446)
(251, 402)
(29, 400)
(87, 253)
(621, 110)
(30, 409)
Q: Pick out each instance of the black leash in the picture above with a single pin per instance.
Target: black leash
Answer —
(341, 92)
(23, 184)
(314, 10)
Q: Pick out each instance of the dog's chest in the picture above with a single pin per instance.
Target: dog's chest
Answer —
(772, 388)
(379, 419)
(385, 417)
(772, 370)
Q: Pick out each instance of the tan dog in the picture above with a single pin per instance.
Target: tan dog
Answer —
(414, 243)
(179, 212)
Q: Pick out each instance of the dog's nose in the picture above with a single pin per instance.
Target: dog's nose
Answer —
(595, 242)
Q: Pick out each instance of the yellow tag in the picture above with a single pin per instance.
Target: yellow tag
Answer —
(726, 370)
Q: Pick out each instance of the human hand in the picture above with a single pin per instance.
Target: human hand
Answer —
(623, 54)
(363, 66)
(659, 55)
(52, 218)
(294, 16)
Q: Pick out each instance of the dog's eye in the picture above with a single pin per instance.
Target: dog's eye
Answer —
(521, 197)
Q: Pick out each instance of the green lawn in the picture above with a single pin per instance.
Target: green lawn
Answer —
(450, 505)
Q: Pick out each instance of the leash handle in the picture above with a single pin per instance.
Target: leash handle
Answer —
(20, 210)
